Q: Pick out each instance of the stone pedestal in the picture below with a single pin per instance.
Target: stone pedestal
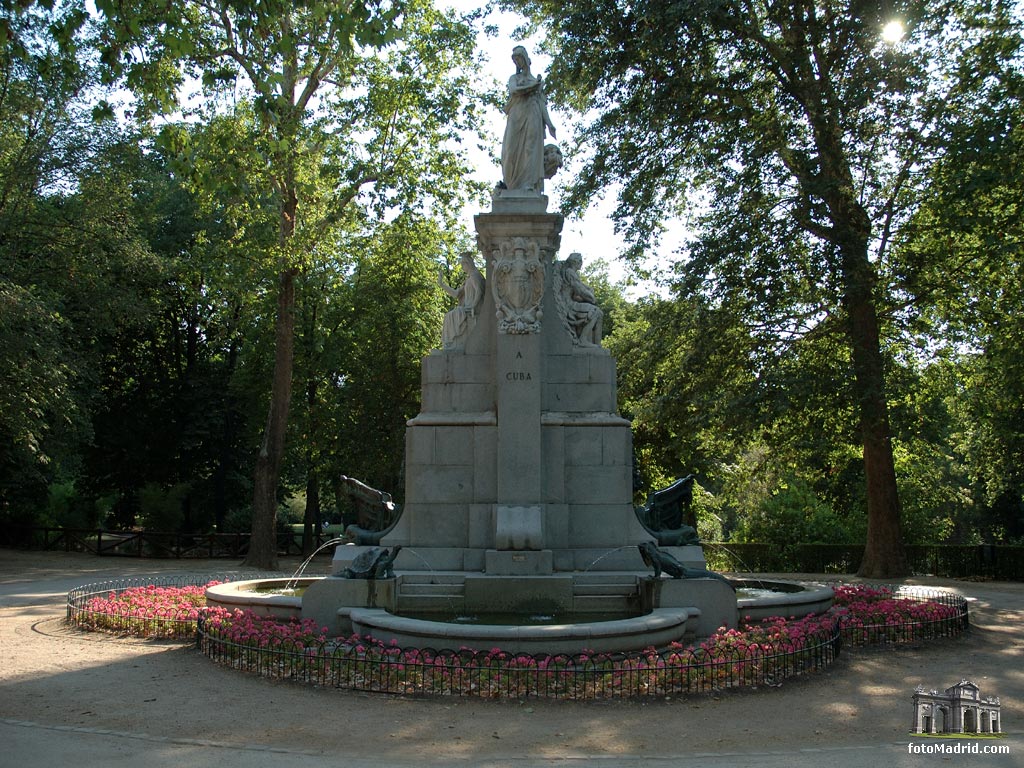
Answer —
(518, 463)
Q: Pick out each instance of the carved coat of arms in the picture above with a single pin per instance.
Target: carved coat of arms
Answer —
(518, 285)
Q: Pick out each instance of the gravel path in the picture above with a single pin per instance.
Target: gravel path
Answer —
(89, 699)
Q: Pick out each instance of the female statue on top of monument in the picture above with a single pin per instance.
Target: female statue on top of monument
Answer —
(522, 151)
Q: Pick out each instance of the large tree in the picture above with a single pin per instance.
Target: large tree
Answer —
(795, 137)
(332, 107)
(74, 268)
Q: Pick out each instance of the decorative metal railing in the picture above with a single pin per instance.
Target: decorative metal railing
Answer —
(994, 561)
(148, 544)
(924, 613)
(1000, 561)
(497, 674)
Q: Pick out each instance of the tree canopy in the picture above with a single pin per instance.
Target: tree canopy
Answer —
(334, 114)
(797, 142)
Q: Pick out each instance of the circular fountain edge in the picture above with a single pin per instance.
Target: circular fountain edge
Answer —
(240, 594)
(660, 627)
(795, 599)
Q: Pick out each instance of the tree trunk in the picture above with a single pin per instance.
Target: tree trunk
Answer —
(263, 545)
(884, 556)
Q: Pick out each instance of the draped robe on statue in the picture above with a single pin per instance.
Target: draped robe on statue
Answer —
(522, 151)
(456, 321)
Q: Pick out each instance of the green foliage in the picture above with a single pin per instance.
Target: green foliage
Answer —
(139, 273)
(37, 153)
(960, 259)
(353, 105)
(162, 509)
(392, 299)
(155, 46)
(791, 514)
(708, 512)
(35, 381)
(611, 296)
(685, 380)
(66, 508)
(293, 510)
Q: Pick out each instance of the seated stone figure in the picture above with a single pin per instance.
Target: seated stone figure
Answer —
(461, 319)
(577, 303)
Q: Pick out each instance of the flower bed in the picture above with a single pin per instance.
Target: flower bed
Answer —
(754, 654)
(158, 608)
(877, 615)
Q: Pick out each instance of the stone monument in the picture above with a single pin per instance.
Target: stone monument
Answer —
(518, 463)
(519, 467)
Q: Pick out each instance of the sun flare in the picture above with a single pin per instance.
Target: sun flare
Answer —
(893, 32)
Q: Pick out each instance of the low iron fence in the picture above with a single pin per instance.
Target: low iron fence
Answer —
(101, 606)
(496, 674)
(371, 667)
(924, 614)
(668, 672)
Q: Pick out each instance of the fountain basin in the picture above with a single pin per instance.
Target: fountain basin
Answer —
(257, 595)
(653, 611)
(777, 597)
(658, 628)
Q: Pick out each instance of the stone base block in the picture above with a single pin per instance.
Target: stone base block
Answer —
(434, 559)
(715, 600)
(595, 559)
(519, 527)
(691, 556)
(323, 599)
(518, 201)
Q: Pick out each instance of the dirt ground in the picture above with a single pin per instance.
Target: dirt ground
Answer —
(61, 680)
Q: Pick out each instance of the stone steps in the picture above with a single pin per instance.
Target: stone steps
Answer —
(423, 593)
(604, 593)
(610, 589)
